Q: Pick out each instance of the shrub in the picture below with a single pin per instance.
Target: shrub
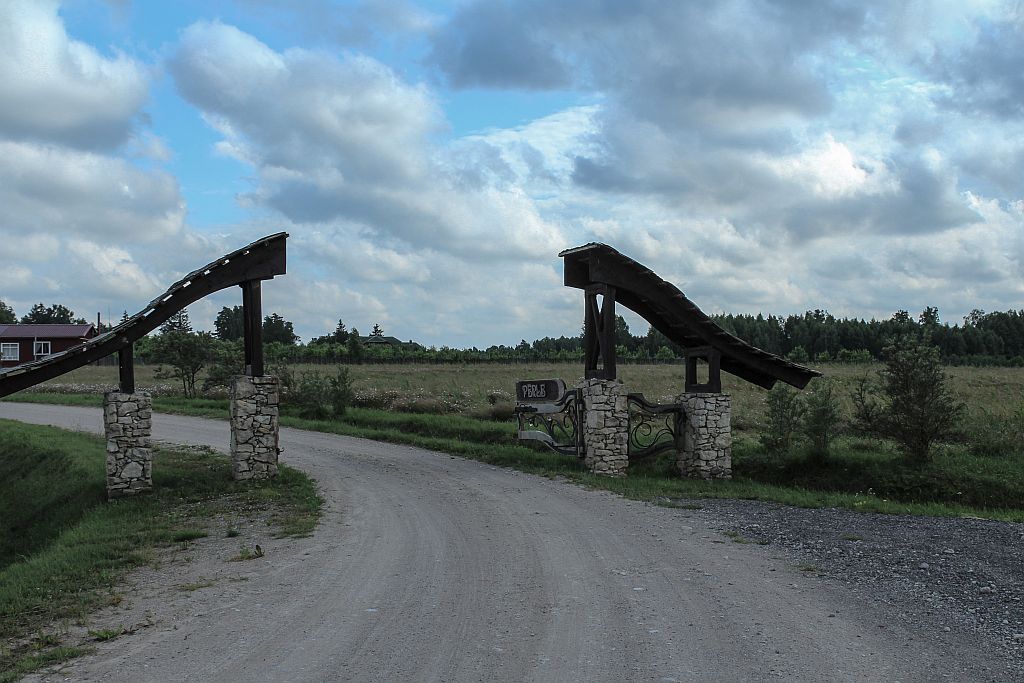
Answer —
(785, 410)
(317, 396)
(919, 408)
(340, 391)
(310, 395)
(798, 355)
(227, 363)
(866, 406)
(822, 419)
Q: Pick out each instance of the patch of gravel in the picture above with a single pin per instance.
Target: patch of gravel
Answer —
(964, 577)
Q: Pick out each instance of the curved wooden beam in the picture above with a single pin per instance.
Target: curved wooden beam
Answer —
(261, 260)
(671, 313)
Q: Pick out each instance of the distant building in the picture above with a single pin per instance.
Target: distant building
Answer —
(379, 340)
(24, 343)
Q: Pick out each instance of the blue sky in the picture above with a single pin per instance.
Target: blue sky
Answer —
(429, 160)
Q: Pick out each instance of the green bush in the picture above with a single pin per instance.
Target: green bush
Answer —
(822, 419)
(784, 415)
(317, 396)
(920, 408)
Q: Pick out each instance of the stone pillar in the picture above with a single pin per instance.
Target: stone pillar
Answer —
(605, 427)
(254, 427)
(127, 423)
(706, 448)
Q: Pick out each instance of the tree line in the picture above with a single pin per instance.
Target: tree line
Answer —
(982, 338)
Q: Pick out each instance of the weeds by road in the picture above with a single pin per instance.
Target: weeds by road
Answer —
(65, 550)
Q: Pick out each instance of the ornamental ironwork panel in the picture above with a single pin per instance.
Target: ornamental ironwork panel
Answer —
(558, 425)
(653, 427)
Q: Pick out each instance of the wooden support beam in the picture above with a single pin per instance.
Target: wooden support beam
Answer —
(599, 333)
(714, 361)
(126, 369)
(252, 316)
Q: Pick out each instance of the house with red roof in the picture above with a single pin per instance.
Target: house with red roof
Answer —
(24, 343)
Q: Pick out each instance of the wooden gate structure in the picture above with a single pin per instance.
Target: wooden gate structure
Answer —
(246, 267)
(619, 426)
(127, 414)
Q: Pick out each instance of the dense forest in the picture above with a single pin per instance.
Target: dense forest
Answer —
(818, 336)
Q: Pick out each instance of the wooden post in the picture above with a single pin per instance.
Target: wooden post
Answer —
(714, 361)
(252, 316)
(599, 333)
(126, 369)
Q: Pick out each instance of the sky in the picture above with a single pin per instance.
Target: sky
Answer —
(430, 159)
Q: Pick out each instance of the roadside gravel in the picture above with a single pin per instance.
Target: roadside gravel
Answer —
(962, 578)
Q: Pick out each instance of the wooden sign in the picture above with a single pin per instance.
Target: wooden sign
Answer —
(540, 390)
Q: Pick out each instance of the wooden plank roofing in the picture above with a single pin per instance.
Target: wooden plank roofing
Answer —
(671, 313)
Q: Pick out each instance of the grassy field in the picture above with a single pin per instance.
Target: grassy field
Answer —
(63, 550)
(470, 389)
(981, 473)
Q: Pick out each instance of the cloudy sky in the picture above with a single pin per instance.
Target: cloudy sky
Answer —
(430, 159)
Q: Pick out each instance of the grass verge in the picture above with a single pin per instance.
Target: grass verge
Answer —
(868, 477)
(66, 549)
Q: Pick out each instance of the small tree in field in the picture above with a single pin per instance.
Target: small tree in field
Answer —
(822, 417)
(919, 407)
(785, 412)
(916, 407)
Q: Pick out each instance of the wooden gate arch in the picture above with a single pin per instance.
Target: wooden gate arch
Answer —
(246, 267)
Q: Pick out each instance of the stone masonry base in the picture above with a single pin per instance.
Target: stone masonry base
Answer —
(254, 427)
(706, 448)
(127, 423)
(606, 427)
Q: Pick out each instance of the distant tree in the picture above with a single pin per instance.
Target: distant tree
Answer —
(229, 324)
(226, 363)
(929, 317)
(376, 331)
(974, 317)
(340, 335)
(178, 322)
(622, 335)
(354, 346)
(186, 352)
(277, 329)
(55, 314)
(798, 355)
(7, 316)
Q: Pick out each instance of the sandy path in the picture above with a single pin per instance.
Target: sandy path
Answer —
(429, 567)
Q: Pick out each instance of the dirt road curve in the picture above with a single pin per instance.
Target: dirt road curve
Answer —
(433, 568)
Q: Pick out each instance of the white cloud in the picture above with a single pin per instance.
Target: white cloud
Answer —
(56, 89)
(346, 140)
(59, 190)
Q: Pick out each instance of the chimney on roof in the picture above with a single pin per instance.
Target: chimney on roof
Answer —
(97, 321)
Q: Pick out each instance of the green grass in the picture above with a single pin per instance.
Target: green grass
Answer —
(27, 663)
(66, 554)
(981, 475)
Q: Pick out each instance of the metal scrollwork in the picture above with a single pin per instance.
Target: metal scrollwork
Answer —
(559, 425)
(653, 428)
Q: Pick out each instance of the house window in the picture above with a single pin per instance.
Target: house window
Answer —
(41, 348)
(10, 352)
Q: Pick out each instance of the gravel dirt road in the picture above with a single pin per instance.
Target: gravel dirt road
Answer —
(427, 567)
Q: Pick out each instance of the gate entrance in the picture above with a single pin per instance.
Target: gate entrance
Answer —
(549, 413)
